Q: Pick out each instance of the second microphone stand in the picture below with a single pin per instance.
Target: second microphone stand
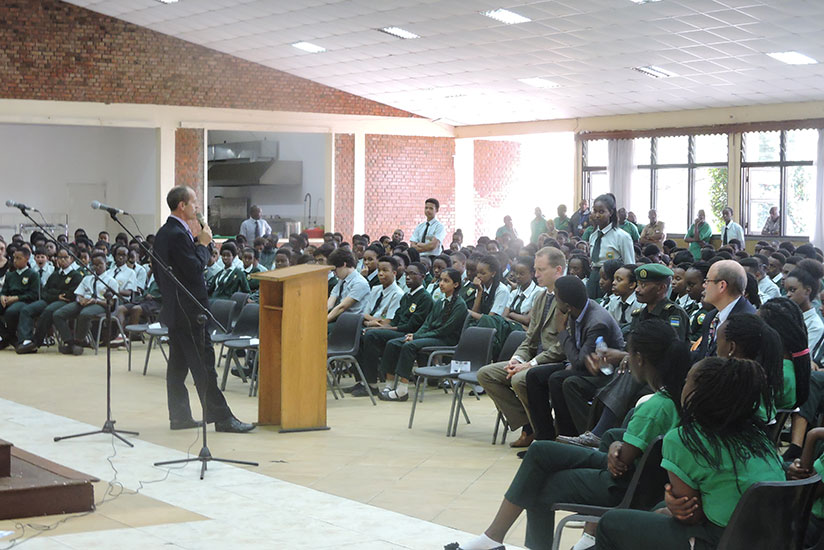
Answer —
(205, 455)
(108, 424)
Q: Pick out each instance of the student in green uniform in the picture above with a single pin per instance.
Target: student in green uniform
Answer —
(537, 225)
(251, 266)
(810, 464)
(21, 287)
(747, 336)
(283, 258)
(562, 220)
(698, 235)
(553, 472)
(411, 313)
(783, 315)
(717, 453)
(230, 279)
(370, 264)
(439, 264)
(627, 225)
(58, 292)
(442, 327)
(467, 290)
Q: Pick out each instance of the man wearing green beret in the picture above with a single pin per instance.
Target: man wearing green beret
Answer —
(653, 283)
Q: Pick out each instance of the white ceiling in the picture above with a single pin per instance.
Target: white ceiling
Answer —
(464, 68)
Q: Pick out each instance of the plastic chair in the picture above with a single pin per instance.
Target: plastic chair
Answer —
(645, 490)
(156, 335)
(134, 329)
(342, 346)
(246, 325)
(475, 346)
(774, 429)
(246, 328)
(511, 344)
(222, 310)
(770, 515)
(240, 299)
(121, 331)
(232, 347)
(446, 350)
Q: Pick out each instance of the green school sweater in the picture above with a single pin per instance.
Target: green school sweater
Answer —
(448, 329)
(24, 285)
(412, 311)
(227, 282)
(61, 284)
(254, 284)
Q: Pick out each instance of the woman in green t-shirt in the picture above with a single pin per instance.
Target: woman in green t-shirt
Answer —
(717, 453)
(554, 472)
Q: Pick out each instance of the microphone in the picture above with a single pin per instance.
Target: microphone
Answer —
(11, 204)
(200, 219)
(97, 205)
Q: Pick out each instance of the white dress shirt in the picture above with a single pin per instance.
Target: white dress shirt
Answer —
(734, 231)
(390, 298)
(436, 230)
(767, 290)
(615, 245)
(524, 305)
(247, 229)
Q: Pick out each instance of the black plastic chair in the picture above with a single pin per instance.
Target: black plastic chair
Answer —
(645, 491)
(770, 515)
(475, 346)
(774, 430)
(240, 299)
(156, 336)
(445, 351)
(512, 342)
(131, 330)
(223, 311)
(342, 346)
(246, 328)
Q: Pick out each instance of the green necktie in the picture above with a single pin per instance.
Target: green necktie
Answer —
(596, 250)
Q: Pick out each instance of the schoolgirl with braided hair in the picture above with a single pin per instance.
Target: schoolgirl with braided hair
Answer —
(786, 318)
(802, 286)
(491, 295)
(717, 453)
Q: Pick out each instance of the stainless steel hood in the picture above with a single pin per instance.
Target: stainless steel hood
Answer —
(251, 163)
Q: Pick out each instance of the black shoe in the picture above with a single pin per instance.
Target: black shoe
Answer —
(233, 425)
(66, 349)
(246, 372)
(4, 343)
(30, 347)
(351, 389)
(361, 391)
(77, 350)
(184, 424)
(521, 454)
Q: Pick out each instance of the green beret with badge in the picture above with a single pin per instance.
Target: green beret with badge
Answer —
(652, 272)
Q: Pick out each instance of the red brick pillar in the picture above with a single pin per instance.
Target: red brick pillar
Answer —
(189, 160)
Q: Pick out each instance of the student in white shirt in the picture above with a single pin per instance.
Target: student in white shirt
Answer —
(428, 236)
(370, 265)
(606, 242)
(679, 287)
(141, 272)
(124, 275)
(767, 290)
(43, 266)
(623, 300)
(492, 294)
(439, 264)
(384, 299)
(524, 293)
(802, 285)
(731, 230)
(254, 227)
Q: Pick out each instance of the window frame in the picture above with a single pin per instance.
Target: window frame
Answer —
(783, 166)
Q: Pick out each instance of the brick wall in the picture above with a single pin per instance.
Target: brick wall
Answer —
(189, 146)
(50, 50)
(402, 172)
(344, 185)
(496, 170)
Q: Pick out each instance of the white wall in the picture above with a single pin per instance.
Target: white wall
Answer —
(285, 201)
(42, 163)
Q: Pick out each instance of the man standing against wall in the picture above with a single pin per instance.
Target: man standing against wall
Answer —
(428, 236)
(254, 227)
(731, 230)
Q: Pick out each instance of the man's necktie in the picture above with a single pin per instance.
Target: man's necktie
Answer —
(517, 303)
(257, 229)
(724, 238)
(624, 308)
(40, 286)
(425, 231)
(94, 288)
(713, 328)
(377, 304)
(117, 272)
(596, 249)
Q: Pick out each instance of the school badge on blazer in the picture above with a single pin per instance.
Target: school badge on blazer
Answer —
(412, 308)
(25, 280)
(610, 255)
(68, 280)
(701, 318)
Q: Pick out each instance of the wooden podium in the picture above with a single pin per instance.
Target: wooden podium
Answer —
(292, 367)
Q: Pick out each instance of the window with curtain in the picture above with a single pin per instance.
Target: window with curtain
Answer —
(778, 171)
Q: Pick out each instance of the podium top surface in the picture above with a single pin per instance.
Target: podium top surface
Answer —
(290, 272)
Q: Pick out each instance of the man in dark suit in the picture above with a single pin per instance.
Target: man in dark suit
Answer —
(580, 321)
(723, 288)
(190, 348)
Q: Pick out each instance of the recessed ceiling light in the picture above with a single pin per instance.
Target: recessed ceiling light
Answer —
(654, 72)
(167, 1)
(309, 47)
(644, 1)
(793, 58)
(506, 16)
(399, 32)
(539, 82)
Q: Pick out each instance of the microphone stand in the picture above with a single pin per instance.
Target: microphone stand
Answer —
(205, 455)
(108, 425)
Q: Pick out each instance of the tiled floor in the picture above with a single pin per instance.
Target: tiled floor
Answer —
(400, 488)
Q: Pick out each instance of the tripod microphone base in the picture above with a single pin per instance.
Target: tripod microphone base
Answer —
(108, 428)
(204, 457)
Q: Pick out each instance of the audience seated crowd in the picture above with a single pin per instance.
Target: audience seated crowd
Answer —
(628, 337)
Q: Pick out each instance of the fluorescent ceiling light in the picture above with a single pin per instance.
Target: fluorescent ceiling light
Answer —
(644, 1)
(654, 72)
(167, 1)
(309, 47)
(539, 82)
(399, 32)
(506, 16)
(793, 58)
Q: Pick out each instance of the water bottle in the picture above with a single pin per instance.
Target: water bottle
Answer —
(601, 350)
